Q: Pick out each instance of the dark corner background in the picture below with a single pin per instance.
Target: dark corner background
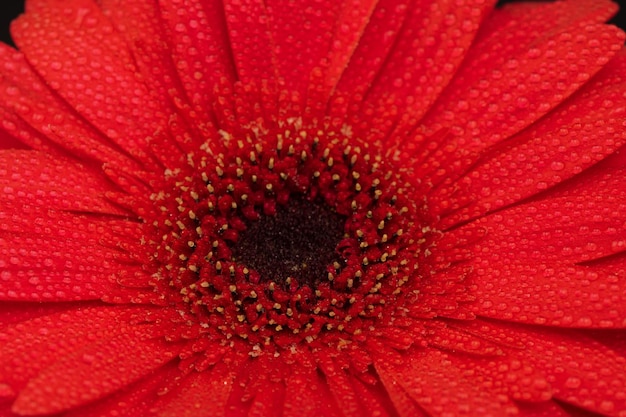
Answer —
(9, 9)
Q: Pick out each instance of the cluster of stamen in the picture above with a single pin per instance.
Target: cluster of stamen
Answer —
(208, 215)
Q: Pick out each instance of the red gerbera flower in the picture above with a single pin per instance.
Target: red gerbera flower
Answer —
(313, 208)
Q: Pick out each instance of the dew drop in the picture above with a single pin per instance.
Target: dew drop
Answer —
(573, 383)
(557, 166)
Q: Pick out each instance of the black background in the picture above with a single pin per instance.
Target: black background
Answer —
(9, 9)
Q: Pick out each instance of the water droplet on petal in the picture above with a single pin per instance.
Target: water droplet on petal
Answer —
(557, 165)
(573, 383)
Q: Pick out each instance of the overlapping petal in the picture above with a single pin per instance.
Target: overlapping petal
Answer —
(83, 58)
(535, 263)
(578, 134)
(427, 52)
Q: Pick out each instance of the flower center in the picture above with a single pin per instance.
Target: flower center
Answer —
(297, 243)
(287, 234)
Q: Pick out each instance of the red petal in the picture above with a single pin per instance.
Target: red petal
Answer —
(488, 331)
(18, 312)
(303, 33)
(498, 92)
(52, 182)
(578, 226)
(581, 371)
(614, 339)
(448, 338)
(286, 42)
(349, 25)
(268, 402)
(526, 268)
(541, 19)
(145, 27)
(199, 47)
(340, 387)
(543, 409)
(505, 373)
(405, 406)
(136, 400)
(39, 118)
(54, 256)
(34, 220)
(91, 374)
(307, 394)
(569, 297)
(504, 376)
(45, 285)
(8, 141)
(81, 56)
(440, 388)
(430, 48)
(139, 23)
(373, 399)
(252, 47)
(30, 346)
(374, 45)
(200, 394)
(582, 131)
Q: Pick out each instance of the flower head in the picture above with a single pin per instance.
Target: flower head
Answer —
(335, 208)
